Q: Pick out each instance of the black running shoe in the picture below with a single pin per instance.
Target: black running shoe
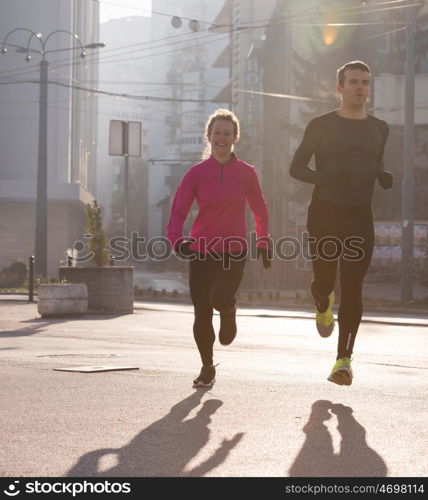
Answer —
(206, 378)
(228, 329)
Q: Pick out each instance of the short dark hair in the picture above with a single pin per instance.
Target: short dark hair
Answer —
(350, 65)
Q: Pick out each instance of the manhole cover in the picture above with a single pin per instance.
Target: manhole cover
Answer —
(94, 356)
(90, 369)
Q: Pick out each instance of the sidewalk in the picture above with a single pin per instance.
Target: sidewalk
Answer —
(393, 316)
(388, 318)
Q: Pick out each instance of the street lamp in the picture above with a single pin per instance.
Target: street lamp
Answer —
(408, 184)
(42, 162)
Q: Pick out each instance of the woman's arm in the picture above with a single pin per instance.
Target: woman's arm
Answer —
(181, 204)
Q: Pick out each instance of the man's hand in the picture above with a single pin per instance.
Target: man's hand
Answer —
(385, 179)
(266, 256)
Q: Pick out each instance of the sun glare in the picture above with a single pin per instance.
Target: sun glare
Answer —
(330, 34)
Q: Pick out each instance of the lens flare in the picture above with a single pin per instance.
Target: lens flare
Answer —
(330, 34)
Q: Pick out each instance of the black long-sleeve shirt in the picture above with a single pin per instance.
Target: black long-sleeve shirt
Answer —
(348, 158)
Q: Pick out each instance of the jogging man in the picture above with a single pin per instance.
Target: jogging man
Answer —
(348, 145)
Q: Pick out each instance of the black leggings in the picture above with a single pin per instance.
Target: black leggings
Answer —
(213, 284)
(341, 223)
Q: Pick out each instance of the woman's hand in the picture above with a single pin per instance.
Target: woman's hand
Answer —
(266, 255)
(182, 248)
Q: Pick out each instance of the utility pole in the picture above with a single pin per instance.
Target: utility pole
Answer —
(126, 180)
(231, 64)
(125, 141)
(231, 68)
(408, 184)
(41, 248)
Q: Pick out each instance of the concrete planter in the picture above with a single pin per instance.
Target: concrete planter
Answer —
(110, 289)
(62, 300)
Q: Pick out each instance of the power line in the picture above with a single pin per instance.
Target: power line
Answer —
(210, 23)
(56, 64)
(175, 50)
(169, 99)
(360, 9)
(153, 98)
(281, 96)
(187, 100)
(241, 26)
(35, 66)
(151, 11)
(111, 94)
(119, 57)
(56, 67)
(371, 37)
(422, 105)
(91, 57)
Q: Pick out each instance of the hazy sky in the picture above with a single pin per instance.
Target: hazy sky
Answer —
(111, 9)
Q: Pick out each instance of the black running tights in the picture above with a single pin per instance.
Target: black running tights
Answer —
(331, 229)
(213, 284)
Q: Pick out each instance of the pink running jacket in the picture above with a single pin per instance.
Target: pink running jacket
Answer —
(221, 192)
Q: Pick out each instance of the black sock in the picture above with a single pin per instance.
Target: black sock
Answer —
(322, 305)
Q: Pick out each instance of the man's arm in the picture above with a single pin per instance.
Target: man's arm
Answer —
(299, 165)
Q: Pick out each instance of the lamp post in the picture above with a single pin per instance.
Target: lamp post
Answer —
(42, 159)
(408, 185)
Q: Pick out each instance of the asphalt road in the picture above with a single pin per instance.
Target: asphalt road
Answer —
(271, 413)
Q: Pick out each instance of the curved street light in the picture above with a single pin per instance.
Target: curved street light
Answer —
(42, 163)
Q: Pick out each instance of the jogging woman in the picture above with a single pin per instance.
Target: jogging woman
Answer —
(222, 185)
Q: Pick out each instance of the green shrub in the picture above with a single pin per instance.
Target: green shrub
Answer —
(14, 275)
(422, 266)
(94, 226)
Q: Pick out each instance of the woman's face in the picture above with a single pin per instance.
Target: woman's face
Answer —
(222, 137)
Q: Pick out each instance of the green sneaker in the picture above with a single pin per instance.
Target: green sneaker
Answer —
(325, 320)
(341, 373)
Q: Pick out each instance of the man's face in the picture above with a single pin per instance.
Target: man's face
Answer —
(355, 89)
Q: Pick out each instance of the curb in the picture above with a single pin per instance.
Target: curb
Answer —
(415, 319)
(281, 313)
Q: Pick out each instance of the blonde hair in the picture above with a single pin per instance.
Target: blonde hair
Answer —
(219, 114)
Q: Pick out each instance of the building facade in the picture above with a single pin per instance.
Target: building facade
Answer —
(183, 64)
(124, 71)
(297, 55)
(71, 136)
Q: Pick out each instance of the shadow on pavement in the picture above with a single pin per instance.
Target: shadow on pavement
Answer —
(164, 448)
(38, 324)
(317, 457)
